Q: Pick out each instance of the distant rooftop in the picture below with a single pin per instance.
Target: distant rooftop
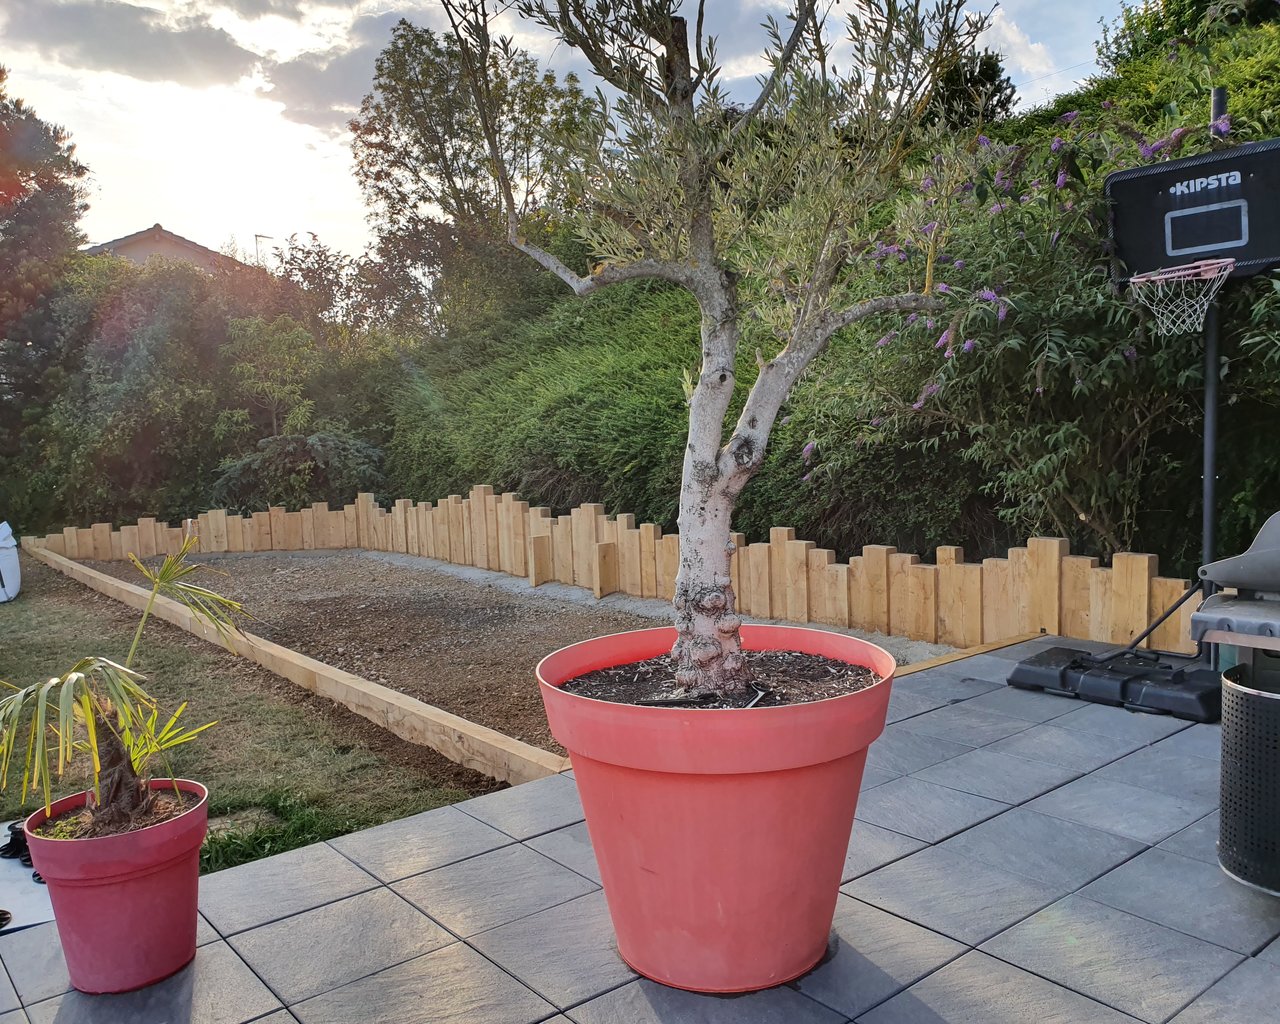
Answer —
(159, 241)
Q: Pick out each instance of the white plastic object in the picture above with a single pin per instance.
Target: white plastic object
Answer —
(10, 571)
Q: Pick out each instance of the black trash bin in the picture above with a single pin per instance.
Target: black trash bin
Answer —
(1249, 841)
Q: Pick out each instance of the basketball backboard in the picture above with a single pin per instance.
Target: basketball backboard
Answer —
(1217, 205)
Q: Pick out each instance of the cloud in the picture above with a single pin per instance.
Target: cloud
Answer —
(1015, 46)
(324, 88)
(251, 9)
(108, 35)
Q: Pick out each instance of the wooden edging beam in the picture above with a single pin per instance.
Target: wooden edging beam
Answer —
(474, 746)
(968, 652)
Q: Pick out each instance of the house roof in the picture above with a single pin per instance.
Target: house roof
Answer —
(157, 233)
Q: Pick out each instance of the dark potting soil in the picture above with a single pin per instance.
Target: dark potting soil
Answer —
(778, 678)
(78, 823)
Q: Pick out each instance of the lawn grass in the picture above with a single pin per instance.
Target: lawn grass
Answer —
(287, 769)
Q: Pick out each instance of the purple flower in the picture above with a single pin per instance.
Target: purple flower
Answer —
(913, 318)
(1131, 354)
(969, 345)
(918, 404)
(1053, 239)
(987, 295)
(945, 340)
(1222, 126)
(931, 389)
(1039, 391)
(807, 451)
(1062, 179)
(959, 264)
(876, 422)
(1024, 199)
(996, 208)
(1035, 183)
(1107, 104)
(927, 183)
(886, 339)
(930, 228)
(806, 476)
(929, 323)
(1002, 312)
(1056, 144)
(983, 141)
(1001, 181)
(943, 287)
(1069, 116)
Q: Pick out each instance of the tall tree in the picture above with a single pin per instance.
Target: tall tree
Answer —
(762, 216)
(41, 200)
(423, 163)
(974, 91)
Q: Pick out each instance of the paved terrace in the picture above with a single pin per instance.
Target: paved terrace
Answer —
(1018, 859)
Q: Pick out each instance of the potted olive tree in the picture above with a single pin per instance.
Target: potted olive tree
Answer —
(721, 832)
(121, 859)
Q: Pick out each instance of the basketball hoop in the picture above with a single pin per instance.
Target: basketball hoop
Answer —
(1180, 296)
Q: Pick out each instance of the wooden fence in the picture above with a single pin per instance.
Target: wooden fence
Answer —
(1039, 587)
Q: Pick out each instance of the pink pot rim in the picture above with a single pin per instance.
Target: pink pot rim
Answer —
(66, 803)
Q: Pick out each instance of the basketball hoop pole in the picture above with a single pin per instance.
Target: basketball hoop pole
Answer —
(1212, 331)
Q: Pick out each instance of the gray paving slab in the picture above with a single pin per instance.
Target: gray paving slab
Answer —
(205, 932)
(924, 810)
(902, 752)
(1070, 748)
(1193, 897)
(581, 963)
(34, 962)
(265, 890)
(945, 892)
(979, 989)
(493, 889)
(905, 703)
(873, 955)
(571, 847)
(8, 997)
(989, 667)
(1121, 724)
(1168, 771)
(949, 684)
(14, 1017)
(873, 777)
(1248, 995)
(645, 1002)
(1131, 964)
(1201, 740)
(310, 953)
(1033, 705)
(429, 840)
(1199, 840)
(1063, 855)
(1272, 953)
(529, 810)
(962, 723)
(215, 988)
(997, 776)
(872, 847)
(1117, 807)
(454, 984)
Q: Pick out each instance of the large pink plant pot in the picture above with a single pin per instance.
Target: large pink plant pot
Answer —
(125, 904)
(720, 835)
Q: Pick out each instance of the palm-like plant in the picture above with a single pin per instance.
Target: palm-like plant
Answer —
(99, 708)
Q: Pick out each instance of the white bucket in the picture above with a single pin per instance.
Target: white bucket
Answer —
(10, 571)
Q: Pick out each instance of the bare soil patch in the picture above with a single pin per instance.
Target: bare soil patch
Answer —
(467, 647)
(778, 678)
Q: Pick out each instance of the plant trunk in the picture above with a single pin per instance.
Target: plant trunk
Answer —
(708, 651)
(122, 796)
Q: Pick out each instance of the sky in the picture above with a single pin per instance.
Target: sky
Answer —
(226, 119)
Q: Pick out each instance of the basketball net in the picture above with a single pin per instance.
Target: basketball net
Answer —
(1180, 296)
